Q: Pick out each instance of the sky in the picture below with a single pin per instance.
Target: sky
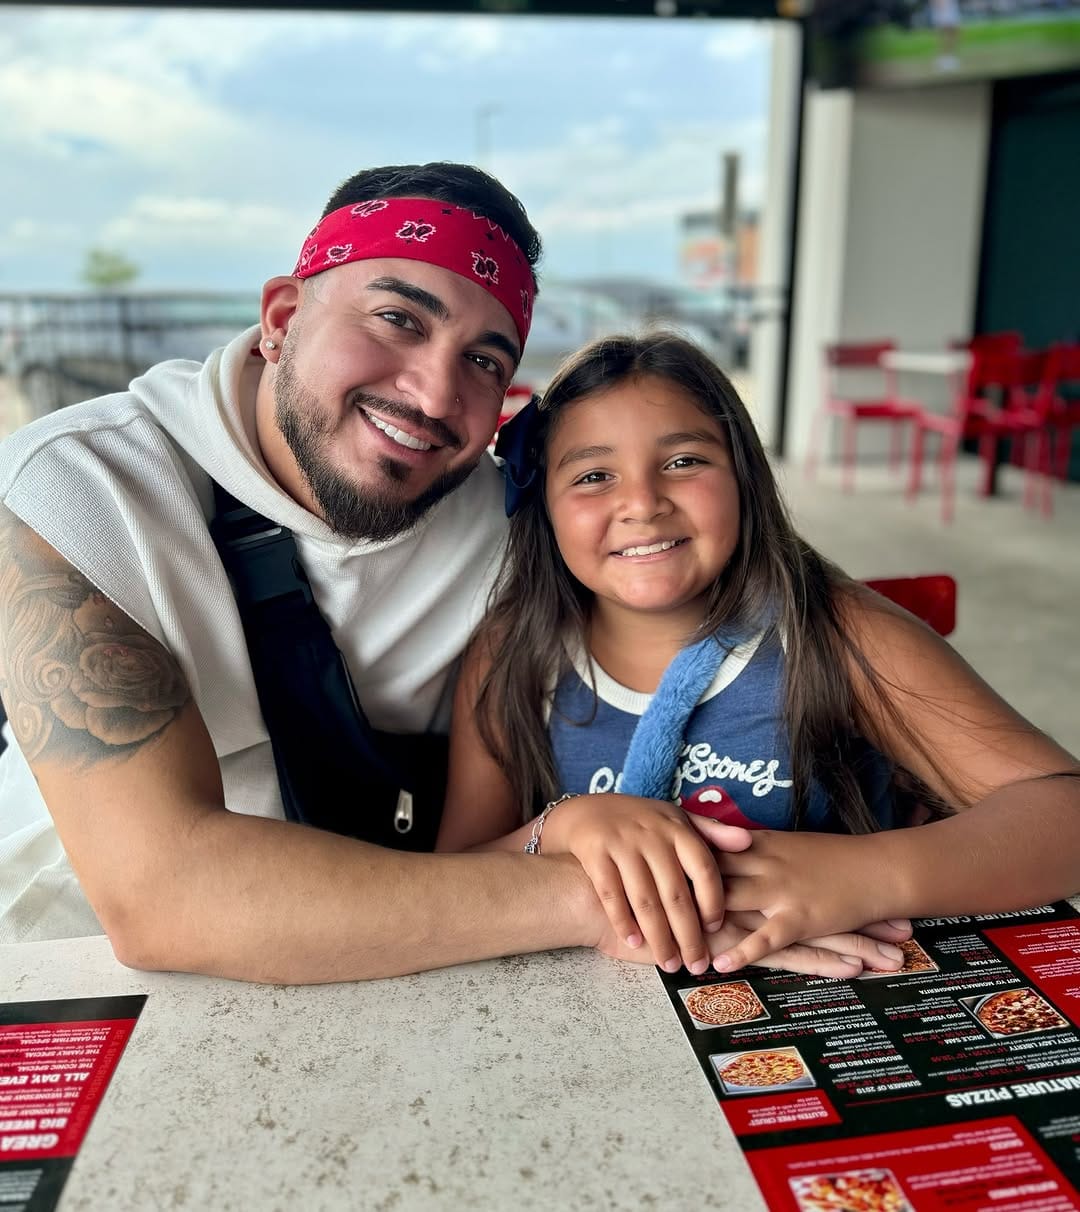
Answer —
(203, 145)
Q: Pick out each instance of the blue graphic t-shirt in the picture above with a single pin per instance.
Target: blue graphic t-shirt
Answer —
(735, 763)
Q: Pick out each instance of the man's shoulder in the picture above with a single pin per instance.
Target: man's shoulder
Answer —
(77, 427)
(475, 507)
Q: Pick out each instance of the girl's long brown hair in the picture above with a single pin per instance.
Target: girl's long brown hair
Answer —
(773, 576)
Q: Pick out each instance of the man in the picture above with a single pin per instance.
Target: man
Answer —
(357, 415)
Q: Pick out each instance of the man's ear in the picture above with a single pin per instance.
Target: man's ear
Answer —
(280, 299)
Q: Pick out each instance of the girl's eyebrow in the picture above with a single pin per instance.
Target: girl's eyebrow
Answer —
(689, 435)
(694, 436)
(583, 452)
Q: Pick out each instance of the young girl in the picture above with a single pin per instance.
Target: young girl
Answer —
(662, 642)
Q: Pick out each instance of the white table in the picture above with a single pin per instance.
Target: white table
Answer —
(549, 1081)
(938, 362)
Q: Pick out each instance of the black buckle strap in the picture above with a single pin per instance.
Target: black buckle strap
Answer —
(335, 771)
(259, 556)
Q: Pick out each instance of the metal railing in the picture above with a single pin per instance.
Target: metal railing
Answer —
(60, 348)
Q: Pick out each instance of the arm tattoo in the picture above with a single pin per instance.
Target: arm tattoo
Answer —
(77, 675)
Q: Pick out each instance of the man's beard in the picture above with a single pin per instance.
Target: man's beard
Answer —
(349, 508)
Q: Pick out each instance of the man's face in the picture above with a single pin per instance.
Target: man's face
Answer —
(387, 390)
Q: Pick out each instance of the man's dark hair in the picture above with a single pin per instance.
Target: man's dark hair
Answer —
(462, 184)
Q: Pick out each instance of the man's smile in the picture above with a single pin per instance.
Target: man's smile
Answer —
(400, 436)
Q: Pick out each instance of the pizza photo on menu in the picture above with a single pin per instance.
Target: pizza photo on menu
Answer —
(722, 1005)
(915, 960)
(767, 1070)
(1013, 1012)
(873, 1190)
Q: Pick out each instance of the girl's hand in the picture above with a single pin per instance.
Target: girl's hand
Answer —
(642, 856)
(805, 885)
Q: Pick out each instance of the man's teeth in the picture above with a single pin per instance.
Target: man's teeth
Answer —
(652, 549)
(399, 436)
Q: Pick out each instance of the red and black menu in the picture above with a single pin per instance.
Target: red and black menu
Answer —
(56, 1059)
(951, 1086)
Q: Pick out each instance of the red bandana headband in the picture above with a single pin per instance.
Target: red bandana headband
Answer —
(423, 229)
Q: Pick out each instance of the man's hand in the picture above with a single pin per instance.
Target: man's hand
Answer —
(642, 857)
(836, 955)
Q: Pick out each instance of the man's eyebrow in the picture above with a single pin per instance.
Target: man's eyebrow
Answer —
(500, 341)
(415, 294)
(434, 306)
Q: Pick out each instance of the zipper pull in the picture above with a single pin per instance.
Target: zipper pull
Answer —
(403, 814)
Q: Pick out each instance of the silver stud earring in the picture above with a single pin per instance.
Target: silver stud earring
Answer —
(270, 344)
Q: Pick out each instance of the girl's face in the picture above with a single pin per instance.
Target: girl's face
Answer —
(642, 497)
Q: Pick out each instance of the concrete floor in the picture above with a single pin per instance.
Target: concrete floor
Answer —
(1017, 573)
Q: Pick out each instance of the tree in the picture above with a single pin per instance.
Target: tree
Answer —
(106, 269)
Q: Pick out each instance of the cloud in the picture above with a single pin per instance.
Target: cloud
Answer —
(737, 40)
(60, 108)
(601, 131)
(588, 185)
(206, 223)
(163, 46)
(21, 234)
(174, 128)
(440, 45)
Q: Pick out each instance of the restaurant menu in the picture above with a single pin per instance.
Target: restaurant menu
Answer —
(951, 1086)
(56, 1059)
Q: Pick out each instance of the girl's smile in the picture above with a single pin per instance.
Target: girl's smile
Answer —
(642, 498)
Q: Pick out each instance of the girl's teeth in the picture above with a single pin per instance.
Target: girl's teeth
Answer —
(650, 550)
(401, 438)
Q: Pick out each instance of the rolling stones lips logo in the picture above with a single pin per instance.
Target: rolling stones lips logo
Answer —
(716, 803)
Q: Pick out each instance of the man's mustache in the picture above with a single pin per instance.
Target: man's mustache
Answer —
(413, 417)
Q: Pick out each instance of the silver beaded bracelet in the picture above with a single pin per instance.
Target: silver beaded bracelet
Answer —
(532, 846)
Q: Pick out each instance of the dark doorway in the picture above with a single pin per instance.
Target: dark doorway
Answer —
(1031, 238)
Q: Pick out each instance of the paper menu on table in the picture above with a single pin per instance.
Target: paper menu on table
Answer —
(56, 1060)
(953, 1086)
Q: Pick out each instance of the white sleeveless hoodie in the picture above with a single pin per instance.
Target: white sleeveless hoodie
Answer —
(120, 486)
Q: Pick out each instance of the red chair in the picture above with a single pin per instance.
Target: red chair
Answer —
(1057, 401)
(861, 357)
(930, 598)
(517, 396)
(990, 406)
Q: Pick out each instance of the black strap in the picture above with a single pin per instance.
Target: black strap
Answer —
(335, 771)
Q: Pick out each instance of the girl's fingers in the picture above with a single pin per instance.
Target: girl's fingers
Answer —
(700, 867)
(769, 939)
(682, 913)
(608, 886)
(649, 911)
(729, 838)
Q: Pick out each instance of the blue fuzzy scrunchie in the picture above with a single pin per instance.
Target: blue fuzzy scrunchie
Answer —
(649, 769)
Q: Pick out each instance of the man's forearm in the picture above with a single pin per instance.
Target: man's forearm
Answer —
(265, 900)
